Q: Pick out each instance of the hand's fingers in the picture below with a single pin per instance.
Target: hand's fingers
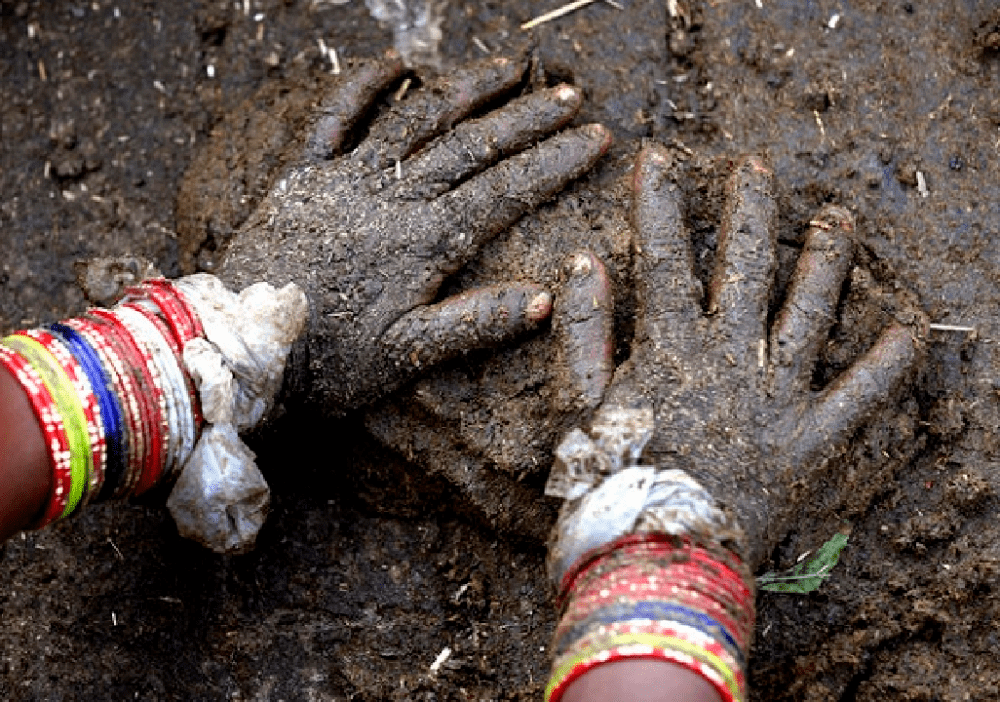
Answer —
(474, 145)
(473, 320)
(745, 261)
(870, 383)
(582, 321)
(805, 318)
(418, 118)
(348, 102)
(667, 289)
(508, 506)
(461, 220)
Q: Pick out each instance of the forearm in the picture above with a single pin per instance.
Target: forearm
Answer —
(97, 407)
(25, 472)
(152, 392)
(641, 680)
(667, 602)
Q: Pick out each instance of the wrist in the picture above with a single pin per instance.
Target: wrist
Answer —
(640, 680)
(25, 472)
(107, 403)
(656, 597)
(647, 566)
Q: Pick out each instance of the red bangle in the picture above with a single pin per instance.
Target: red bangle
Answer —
(185, 396)
(181, 308)
(130, 382)
(91, 411)
(50, 423)
(197, 329)
(197, 332)
(189, 406)
(159, 427)
(175, 315)
(657, 596)
(147, 435)
(162, 353)
(96, 332)
(181, 319)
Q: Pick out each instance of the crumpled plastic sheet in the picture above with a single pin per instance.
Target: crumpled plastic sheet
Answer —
(220, 498)
(416, 28)
(609, 495)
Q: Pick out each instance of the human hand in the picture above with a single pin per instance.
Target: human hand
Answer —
(491, 427)
(488, 424)
(728, 395)
(370, 235)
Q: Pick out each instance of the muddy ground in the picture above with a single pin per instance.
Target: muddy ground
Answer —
(368, 569)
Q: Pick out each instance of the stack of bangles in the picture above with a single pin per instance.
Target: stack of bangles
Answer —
(659, 597)
(116, 406)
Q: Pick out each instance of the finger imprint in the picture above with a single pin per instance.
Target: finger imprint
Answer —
(805, 319)
(507, 505)
(864, 388)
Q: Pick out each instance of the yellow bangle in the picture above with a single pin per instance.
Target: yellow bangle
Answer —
(67, 402)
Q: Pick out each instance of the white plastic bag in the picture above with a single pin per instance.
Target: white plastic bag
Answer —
(221, 499)
(608, 495)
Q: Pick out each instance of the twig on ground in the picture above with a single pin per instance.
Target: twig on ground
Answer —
(555, 14)
(951, 328)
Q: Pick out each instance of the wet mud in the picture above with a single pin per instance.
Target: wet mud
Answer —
(372, 565)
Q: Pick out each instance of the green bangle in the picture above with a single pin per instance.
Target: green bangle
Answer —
(68, 403)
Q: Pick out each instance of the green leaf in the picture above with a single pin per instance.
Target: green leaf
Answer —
(808, 574)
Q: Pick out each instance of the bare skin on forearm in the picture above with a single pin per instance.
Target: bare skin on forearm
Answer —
(640, 680)
(25, 473)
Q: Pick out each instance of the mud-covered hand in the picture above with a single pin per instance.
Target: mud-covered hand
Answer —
(371, 235)
(725, 394)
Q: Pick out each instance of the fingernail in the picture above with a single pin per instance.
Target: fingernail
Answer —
(580, 265)
(598, 132)
(539, 307)
(567, 93)
(758, 164)
(840, 216)
(653, 154)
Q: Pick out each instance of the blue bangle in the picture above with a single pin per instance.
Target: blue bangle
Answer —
(107, 402)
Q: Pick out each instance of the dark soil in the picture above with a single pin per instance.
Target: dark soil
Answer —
(368, 567)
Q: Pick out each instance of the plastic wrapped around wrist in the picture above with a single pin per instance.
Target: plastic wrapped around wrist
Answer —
(610, 496)
(644, 562)
(221, 498)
